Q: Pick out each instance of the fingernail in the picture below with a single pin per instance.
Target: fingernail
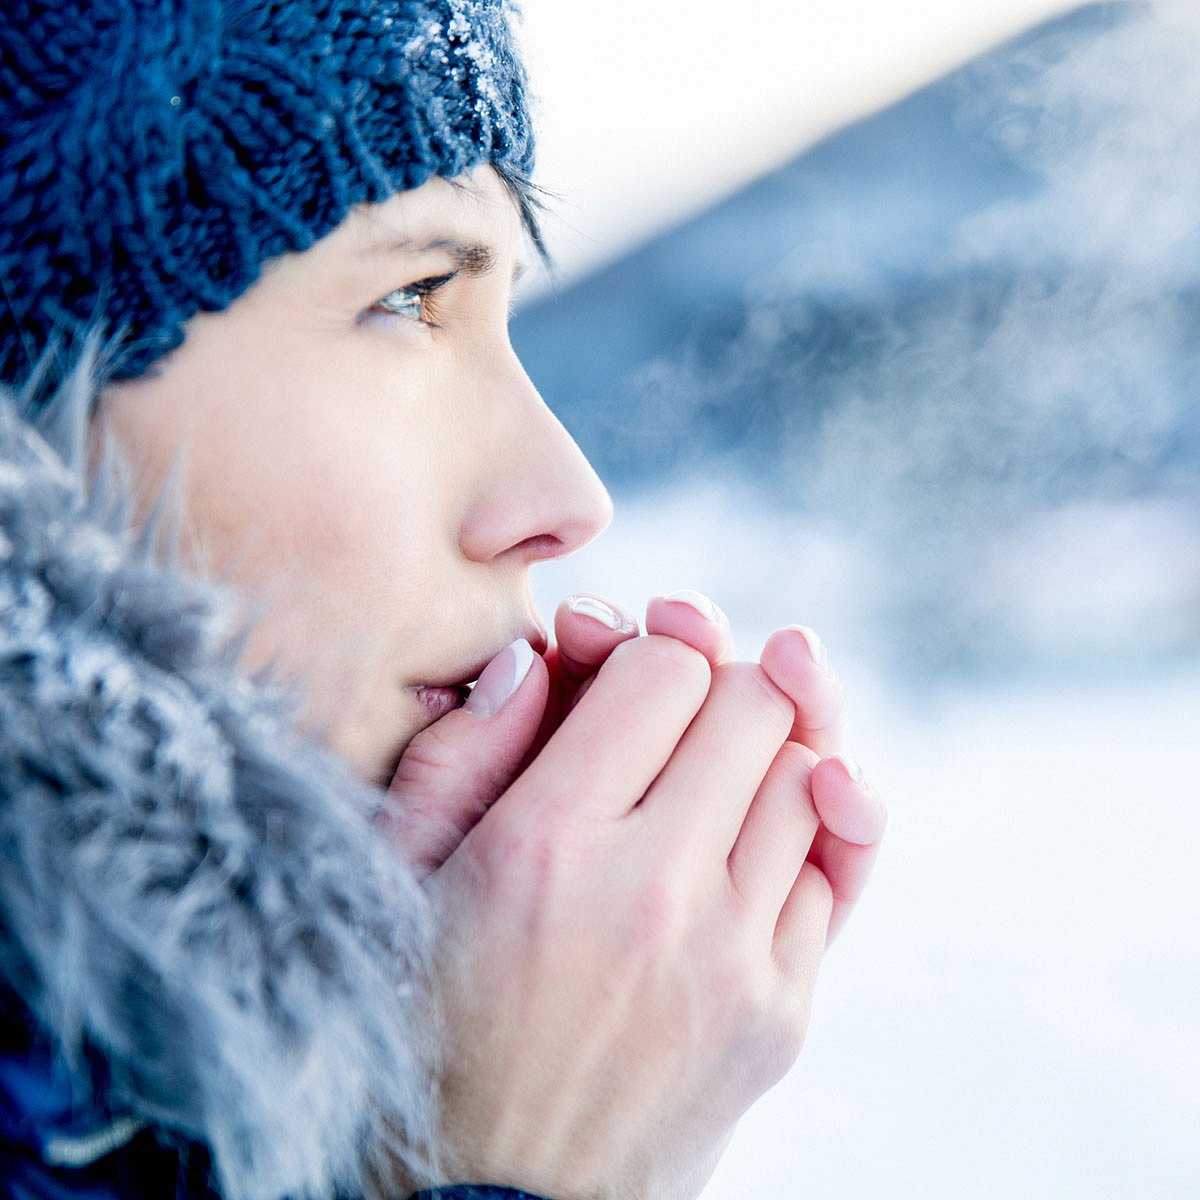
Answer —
(862, 822)
(702, 604)
(597, 610)
(816, 647)
(853, 770)
(500, 679)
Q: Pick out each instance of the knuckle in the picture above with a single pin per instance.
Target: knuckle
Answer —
(668, 660)
(780, 1027)
(430, 757)
(773, 1031)
(525, 850)
(756, 687)
(783, 1040)
(663, 912)
(797, 762)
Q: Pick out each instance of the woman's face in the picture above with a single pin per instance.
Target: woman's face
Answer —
(362, 452)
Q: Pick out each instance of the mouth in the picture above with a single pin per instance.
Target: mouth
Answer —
(441, 697)
(437, 701)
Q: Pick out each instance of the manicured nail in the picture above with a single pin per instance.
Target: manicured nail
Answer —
(597, 610)
(858, 819)
(702, 604)
(853, 770)
(500, 679)
(816, 647)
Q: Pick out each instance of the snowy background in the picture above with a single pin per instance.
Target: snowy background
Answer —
(917, 367)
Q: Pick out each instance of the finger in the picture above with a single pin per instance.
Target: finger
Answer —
(778, 832)
(617, 739)
(803, 928)
(850, 807)
(452, 772)
(854, 817)
(702, 796)
(694, 619)
(847, 868)
(798, 664)
(587, 629)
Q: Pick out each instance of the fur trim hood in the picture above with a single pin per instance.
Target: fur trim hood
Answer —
(189, 890)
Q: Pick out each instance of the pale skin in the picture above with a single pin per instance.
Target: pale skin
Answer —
(636, 847)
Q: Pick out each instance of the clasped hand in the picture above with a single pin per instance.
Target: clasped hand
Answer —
(636, 865)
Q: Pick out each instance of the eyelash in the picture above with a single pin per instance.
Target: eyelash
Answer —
(422, 294)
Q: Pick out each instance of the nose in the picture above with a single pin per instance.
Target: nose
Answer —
(538, 496)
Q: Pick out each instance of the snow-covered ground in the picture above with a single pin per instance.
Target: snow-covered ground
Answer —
(1013, 1011)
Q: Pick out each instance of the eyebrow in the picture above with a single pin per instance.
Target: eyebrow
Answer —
(471, 258)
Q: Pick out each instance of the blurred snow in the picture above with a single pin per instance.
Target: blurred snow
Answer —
(1013, 1011)
(1115, 583)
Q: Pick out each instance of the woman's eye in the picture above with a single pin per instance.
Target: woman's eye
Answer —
(415, 301)
(405, 302)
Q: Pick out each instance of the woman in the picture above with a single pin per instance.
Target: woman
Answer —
(285, 911)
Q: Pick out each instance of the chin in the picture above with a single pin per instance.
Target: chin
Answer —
(374, 754)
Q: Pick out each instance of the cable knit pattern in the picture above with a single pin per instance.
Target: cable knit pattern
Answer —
(156, 153)
(188, 888)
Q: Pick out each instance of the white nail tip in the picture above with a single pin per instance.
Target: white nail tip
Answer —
(589, 606)
(522, 661)
(494, 691)
(816, 647)
(852, 769)
(702, 604)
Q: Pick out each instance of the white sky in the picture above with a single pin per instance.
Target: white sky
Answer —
(651, 109)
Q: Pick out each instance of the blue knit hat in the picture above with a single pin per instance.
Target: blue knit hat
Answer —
(157, 153)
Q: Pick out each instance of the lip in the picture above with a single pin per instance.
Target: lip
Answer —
(438, 701)
(439, 693)
(440, 697)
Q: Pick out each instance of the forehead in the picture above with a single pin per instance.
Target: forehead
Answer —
(472, 218)
(471, 224)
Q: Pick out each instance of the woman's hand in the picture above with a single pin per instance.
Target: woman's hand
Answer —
(455, 770)
(632, 932)
(631, 935)
(631, 969)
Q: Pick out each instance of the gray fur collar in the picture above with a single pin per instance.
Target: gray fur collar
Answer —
(186, 884)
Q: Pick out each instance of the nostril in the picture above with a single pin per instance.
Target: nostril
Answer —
(541, 547)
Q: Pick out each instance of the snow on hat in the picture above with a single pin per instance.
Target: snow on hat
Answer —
(155, 154)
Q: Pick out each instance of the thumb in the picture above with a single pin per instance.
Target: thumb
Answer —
(452, 772)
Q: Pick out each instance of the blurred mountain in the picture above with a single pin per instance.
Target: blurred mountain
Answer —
(963, 329)
(866, 214)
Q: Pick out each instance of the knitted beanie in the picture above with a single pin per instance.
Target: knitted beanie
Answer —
(155, 154)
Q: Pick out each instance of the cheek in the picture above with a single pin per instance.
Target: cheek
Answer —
(332, 502)
(353, 554)
(336, 513)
